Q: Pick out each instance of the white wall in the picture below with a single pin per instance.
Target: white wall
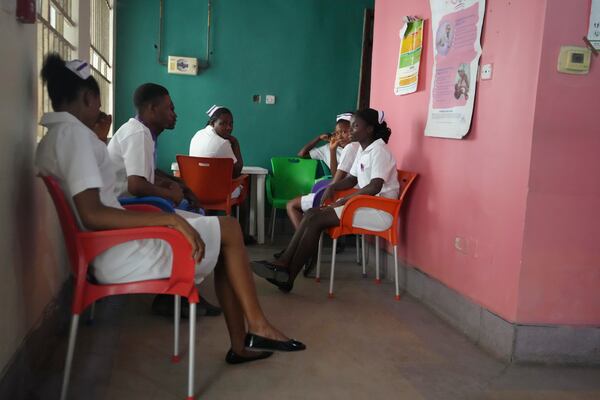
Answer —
(32, 262)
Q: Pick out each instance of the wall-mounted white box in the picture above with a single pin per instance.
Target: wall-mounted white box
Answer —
(269, 99)
(183, 65)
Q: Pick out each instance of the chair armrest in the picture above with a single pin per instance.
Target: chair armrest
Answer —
(391, 206)
(163, 204)
(183, 266)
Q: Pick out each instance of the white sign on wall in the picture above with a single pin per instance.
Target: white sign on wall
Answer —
(456, 31)
(594, 30)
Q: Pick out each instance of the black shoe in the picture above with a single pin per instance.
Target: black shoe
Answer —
(266, 270)
(234, 358)
(249, 240)
(284, 287)
(256, 342)
(278, 255)
(204, 308)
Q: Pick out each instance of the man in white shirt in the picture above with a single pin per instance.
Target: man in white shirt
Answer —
(132, 151)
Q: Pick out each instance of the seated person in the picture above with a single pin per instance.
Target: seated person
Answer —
(374, 170)
(132, 151)
(324, 152)
(339, 140)
(216, 141)
(72, 153)
(133, 148)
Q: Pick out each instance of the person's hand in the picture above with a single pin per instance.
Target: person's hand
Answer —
(334, 143)
(340, 202)
(191, 235)
(176, 192)
(102, 126)
(327, 195)
(325, 137)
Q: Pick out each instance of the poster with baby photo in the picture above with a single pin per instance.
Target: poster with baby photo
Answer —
(456, 31)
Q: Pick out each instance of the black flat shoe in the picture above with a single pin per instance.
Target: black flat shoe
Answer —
(255, 342)
(284, 287)
(266, 270)
(234, 358)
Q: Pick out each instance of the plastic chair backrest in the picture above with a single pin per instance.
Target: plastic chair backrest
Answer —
(292, 176)
(209, 178)
(406, 179)
(67, 220)
(318, 189)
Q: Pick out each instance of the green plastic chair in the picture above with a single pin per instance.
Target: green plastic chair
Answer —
(290, 177)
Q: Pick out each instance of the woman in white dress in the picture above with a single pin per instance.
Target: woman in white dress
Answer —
(73, 154)
(373, 172)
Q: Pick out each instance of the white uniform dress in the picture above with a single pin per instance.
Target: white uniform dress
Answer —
(346, 159)
(376, 161)
(73, 154)
(207, 143)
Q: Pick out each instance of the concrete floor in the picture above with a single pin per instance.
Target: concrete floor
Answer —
(361, 345)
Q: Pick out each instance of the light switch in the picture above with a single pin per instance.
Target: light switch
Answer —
(269, 99)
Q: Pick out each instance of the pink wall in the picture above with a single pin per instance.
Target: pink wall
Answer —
(560, 278)
(474, 188)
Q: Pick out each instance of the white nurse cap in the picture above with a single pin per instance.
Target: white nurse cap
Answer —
(344, 117)
(80, 68)
(212, 110)
(381, 117)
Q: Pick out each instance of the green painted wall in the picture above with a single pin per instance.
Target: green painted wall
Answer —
(305, 52)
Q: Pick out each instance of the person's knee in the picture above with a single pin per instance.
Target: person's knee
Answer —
(230, 229)
(294, 204)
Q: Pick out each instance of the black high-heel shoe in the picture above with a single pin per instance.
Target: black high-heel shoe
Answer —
(234, 358)
(266, 270)
(255, 342)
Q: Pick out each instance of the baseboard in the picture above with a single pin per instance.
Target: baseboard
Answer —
(25, 370)
(519, 343)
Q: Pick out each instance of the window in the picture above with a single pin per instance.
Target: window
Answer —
(77, 29)
(101, 49)
(55, 33)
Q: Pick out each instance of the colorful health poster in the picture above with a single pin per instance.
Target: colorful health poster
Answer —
(409, 59)
(456, 27)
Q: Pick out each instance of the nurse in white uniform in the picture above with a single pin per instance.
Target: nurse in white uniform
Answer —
(79, 161)
(216, 141)
(373, 170)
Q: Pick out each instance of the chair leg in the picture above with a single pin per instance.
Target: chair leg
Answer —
(69, 360)
(397, 297)
(90, 318)
(192, 353)
(332, 268)
(273, 216)
(177, 315)
(357, 250)
(377, 279)
(319, 250)
(362, 238)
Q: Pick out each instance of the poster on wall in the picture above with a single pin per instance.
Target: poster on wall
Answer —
(594, 29)
(456, 29)
(409, 57)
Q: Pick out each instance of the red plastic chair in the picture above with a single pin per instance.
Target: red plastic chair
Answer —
(211, 181)
(84, 246)
(392, 206)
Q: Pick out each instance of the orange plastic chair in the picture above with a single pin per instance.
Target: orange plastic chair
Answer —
(391, 206)
(211, 181)
(84, 246)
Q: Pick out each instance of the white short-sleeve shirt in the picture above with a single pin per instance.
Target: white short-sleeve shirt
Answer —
(376, 161)
(346, 160)
(322, 153)
(207, 143)
(72, 153)
(132, 151)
